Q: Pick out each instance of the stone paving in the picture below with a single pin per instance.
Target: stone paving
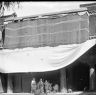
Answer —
(73, 93)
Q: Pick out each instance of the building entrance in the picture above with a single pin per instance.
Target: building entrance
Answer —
(51, 76)
(81, 77)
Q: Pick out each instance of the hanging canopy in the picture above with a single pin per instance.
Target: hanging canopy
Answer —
(42, 59)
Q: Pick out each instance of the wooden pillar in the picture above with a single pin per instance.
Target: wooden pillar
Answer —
(1, 87)
(63, 81)
(9, 84)
(70, 79)
(17, 83)
(92, 78)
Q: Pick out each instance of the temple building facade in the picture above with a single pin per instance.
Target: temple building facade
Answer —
(59, 47)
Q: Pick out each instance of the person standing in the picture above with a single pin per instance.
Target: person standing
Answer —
(41, 86)
(33, 86)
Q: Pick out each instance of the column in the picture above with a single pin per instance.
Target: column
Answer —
(63, 81)
(17, 83)
(92, 78)
(1, 86)
(70, 79)
(9, 84)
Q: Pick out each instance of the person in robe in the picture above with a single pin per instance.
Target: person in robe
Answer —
(33, 86)
(56, 88)
(48, 87)
(46, 84)
(40, 86)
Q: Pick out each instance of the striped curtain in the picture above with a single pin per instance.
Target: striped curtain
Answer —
(51, 31)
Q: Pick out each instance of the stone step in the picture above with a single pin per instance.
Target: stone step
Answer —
(73, 93)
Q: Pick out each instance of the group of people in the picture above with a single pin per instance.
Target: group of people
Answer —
(43, 87)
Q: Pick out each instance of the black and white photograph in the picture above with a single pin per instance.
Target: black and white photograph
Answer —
(48, 48)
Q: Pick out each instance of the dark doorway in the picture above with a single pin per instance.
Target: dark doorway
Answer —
(80, 76)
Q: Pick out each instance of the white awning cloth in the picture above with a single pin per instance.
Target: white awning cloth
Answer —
(43, 58)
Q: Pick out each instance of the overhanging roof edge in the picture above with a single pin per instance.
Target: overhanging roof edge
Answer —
(48, 14)
(88, 5)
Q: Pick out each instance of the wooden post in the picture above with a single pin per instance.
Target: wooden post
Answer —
(92, 78)
(18, 83)
(63, 81)
(9, 84)
(1, 87)
(70, 79)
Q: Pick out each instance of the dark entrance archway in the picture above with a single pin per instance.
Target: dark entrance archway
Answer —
(79, 76)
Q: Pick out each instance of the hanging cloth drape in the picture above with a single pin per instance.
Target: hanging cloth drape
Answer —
(43, 58)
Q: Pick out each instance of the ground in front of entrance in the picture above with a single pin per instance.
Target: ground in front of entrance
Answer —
(73, 93)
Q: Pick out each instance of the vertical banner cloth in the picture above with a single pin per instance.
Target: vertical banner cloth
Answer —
(42, 59)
